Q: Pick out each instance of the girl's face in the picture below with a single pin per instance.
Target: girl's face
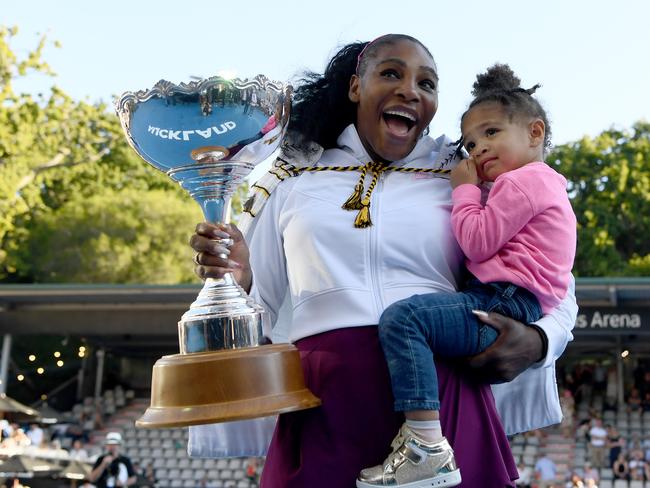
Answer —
(397, 96)
(499, 143)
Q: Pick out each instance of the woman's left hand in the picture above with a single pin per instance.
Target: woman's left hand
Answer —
(517, 347)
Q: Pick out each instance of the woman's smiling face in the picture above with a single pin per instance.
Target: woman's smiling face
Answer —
(396, 96)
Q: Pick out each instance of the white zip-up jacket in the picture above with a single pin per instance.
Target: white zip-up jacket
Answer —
(304, 246)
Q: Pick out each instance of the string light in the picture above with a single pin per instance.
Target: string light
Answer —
(82, 349)
(59, 363)
(57, 354)
(32, 358)
(20, 377)
(43, 396)
(40, 371)
(625, 353)
(81, 354)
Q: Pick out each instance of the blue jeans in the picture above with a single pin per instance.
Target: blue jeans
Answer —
(413, 330)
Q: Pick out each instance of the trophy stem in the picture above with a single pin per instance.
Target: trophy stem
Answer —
(216, 209)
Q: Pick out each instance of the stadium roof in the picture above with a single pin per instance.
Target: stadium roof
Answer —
(139, 319)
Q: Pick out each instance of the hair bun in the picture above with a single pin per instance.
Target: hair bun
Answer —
(497, 77)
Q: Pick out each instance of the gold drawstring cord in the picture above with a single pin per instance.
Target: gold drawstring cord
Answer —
(363, 219)
(355, 201)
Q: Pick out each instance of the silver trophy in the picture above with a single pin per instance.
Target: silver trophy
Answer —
(208, 136)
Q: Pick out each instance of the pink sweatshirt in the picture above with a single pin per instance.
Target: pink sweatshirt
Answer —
(525, 234)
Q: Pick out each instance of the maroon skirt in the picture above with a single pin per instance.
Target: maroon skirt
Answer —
(353, 428)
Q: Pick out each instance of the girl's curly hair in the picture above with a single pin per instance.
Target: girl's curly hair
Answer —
(500, 84)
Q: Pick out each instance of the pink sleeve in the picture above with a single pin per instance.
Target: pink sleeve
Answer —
(482, 231)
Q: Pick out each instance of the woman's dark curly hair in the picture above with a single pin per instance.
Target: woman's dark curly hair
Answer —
(321, 107)
(500, 84)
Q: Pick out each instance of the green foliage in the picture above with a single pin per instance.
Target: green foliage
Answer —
(609, 186)
(77, 204)
(112, 237)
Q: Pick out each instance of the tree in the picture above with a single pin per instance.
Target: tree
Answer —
(77, 204)
(609, 187)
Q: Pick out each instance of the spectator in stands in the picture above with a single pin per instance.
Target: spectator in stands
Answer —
(567, 404)
(635, 442)
(111, 468)
(582, 432)
(645, 403)
(56, 451)
(535, 436)
(5, 429)
(87, 425)
(144, 478)
(98, 419)
(590, 473)
(149, 476)
(78, 452)
(645, 384)
(252, 472)
(620, 467)
(639, 375)
(75, 431)
(35, 434)
(645, 445)
(597, 443)
(615, 444)
(600, 378)
(575, 481)
(18, 438)
(570, 383)
(545, 471)
(634, 401)
(525, 475)
(585, 388)
(639, 469)
(611, 389)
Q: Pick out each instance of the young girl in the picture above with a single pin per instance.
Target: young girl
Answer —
(519, 246)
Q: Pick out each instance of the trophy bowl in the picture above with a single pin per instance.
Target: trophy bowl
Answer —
(208, 135)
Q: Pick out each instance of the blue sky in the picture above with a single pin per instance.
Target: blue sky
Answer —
(590, 56)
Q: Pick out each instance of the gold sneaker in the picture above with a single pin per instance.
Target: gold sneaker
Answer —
(413, 463)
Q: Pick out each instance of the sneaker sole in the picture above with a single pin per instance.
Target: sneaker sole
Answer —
(449, 479)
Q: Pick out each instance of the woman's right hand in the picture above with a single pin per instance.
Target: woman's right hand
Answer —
(214, 258)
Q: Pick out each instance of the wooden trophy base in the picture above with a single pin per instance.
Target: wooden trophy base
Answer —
(220, 386)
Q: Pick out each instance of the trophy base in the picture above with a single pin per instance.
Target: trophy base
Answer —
(221, 386)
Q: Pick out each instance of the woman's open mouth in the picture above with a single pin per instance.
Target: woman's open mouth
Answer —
(399, 121)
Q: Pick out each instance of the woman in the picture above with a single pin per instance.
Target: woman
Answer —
(615, 444)
(342, 268)
(620, 467)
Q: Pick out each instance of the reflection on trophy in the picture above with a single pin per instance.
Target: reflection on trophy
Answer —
(207, 136)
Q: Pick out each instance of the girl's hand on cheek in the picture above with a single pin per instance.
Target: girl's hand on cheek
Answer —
(464, 173)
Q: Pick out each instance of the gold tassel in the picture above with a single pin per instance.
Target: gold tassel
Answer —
(354, 201)
(363, 217)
